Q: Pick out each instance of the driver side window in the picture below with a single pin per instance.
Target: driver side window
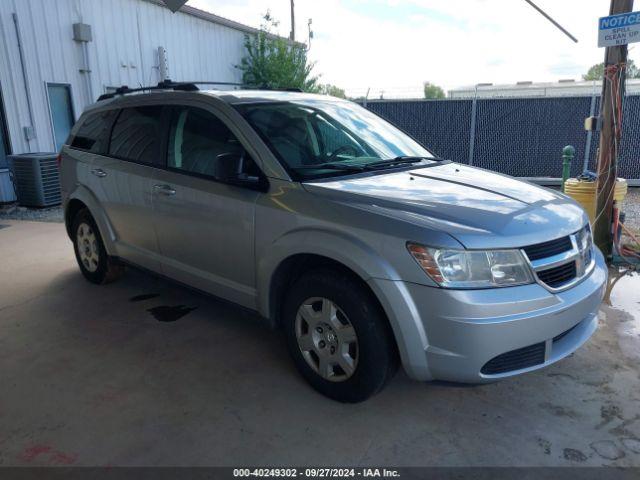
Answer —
(199, 141)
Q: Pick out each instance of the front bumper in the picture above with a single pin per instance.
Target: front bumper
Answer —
(452, 334)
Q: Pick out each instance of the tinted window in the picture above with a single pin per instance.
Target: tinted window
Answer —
(136, 135)
(197, 139)
(93, 134)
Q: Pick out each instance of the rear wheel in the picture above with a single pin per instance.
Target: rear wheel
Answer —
(338, 336)
(94, 263)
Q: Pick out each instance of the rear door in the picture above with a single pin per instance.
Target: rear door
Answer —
(205, 227)
(89, 138)
(122, 180)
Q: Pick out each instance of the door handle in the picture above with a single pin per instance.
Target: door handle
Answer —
(98, 172)
(164, 189)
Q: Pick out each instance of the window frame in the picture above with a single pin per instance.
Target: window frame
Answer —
(72, 105)
(165, 124)
(171, 108)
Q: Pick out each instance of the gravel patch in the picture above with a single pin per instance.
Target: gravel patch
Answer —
(631, 208)
(14, 212)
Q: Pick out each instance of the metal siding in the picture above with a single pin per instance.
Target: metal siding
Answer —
(11, 82)
(125, 32)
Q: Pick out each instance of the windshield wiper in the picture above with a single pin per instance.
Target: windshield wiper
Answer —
(332, 166)
(401, 160)
(349, 167)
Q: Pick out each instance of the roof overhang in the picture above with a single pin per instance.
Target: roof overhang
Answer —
(213, 18)
(174, 5)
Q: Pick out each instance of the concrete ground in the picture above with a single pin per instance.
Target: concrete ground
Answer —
(89, 376)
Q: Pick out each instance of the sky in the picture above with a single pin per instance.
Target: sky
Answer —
(395, 45)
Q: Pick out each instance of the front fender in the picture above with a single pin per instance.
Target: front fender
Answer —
(107, 232)
(336, 245)
(369, 266)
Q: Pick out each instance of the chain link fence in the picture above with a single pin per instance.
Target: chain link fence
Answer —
(522, 137)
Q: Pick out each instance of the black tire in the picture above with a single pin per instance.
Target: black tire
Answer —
(377, 357)
(105, 269)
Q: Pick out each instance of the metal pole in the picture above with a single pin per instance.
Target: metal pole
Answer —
(548, 17)
(587, 146)
(568, 153)
(292, 36)
(472, 127)
(86, 69)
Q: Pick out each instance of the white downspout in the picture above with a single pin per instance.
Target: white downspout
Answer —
(29, 132)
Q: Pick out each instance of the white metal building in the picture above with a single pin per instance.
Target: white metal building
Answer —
(58, 56)
(563, 88)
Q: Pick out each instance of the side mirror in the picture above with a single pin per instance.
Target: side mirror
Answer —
(229, 168)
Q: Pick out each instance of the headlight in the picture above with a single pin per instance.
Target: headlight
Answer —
(583, 238)
(585, 243)
(472, 268)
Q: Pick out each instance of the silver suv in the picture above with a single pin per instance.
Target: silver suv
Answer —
(364, 247)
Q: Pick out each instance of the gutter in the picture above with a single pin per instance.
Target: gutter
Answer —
(210, 17)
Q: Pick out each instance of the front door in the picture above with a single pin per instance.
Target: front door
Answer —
(205, 228)
(123, 182)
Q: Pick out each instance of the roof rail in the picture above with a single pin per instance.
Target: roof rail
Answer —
(185, 86)
(164, 85)
(248, 86)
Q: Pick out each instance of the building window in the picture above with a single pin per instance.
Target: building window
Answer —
(61, 111)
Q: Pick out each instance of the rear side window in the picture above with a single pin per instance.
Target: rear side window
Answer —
(136, 135)
(93, 134)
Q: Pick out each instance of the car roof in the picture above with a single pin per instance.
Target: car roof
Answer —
(232, 97)
(256, 96)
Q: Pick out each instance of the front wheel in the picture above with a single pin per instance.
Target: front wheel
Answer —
(338, 336)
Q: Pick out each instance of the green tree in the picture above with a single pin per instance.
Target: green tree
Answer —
(433, 91)
(273, 62)
(334, 91)
(596, 72)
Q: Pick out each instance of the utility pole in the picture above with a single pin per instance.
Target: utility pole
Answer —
(292, 35)
(615, 60)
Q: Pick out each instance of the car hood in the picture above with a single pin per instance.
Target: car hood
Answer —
(480, 209)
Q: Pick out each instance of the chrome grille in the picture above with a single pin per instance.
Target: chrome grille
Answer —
(558, 276)
(561, 263)
(548, 249)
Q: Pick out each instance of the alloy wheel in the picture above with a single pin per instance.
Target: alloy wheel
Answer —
(88, 247)
(327, 339)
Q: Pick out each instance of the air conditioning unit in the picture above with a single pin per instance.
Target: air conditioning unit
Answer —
(37, 179)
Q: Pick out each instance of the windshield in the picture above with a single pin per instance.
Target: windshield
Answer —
(318, 138)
